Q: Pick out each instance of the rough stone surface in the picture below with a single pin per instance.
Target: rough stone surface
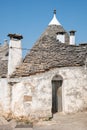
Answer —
(3, 121)
(64, 122)
(48, 53)
(59, 122)
(3, 60)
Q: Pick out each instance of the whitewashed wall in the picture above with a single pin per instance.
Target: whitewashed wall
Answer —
(4, 97)
(32, 96)
(61, 38)
(72, 40)
(15, 55)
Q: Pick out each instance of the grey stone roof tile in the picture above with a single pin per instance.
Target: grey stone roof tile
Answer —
(49, 53)
(3, 60)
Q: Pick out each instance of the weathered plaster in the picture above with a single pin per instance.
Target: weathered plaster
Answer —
(15, 55)
(39, 87)
(4, 96)
(32, 96)
(72, 40)
(61, 37)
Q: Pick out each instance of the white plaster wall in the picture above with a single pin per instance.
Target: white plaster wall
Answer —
(61, 38)
(72, 40)
(41, 98)
(75, 91)
(4, 96)
(39, 87)
(15, 55)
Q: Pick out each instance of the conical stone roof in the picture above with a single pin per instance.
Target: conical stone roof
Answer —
(52, 31)
(54, 27)
(48, 53)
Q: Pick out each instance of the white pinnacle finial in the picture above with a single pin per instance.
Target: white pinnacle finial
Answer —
(54, 21)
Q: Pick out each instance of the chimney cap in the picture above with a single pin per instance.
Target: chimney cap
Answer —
(15, 36)
(63, 32)
(72, 32)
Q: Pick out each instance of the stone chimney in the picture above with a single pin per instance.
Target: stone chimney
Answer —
(72, 37)
(15, 52)
(61, 36)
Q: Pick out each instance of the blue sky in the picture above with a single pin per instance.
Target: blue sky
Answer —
(31, 17)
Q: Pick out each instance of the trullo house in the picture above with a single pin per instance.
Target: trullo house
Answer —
(51, 78)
